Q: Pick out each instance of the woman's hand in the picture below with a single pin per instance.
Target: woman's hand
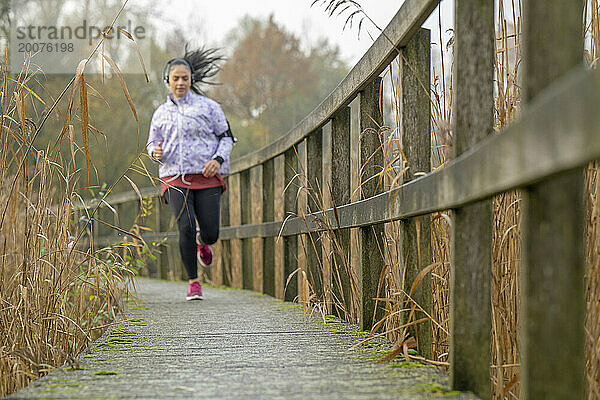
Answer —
(157, 152)
(211, 168)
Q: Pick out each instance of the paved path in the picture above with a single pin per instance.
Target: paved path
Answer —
(233, 345)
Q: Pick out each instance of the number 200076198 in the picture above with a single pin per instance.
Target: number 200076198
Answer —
(47, 47)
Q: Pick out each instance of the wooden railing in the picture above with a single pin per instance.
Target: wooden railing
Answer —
(542, 154)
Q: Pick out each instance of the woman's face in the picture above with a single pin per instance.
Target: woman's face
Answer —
(179, 80)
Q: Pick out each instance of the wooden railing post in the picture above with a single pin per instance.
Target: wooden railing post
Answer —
(116, 221)
(268, 213)
(225, 278)
(314, 175)
(471, 269)
(326, 256)
(256, 203)
(246, 214)
(553, 295)
(160, 227)
(371, 237)
(340, 195)
(279, 276)
(176, 254)
(235, 219)
(100, 228)
(290, 242)
(303, 238)
(75, 227)
(355, 251)
(95, 226)
(416, 145)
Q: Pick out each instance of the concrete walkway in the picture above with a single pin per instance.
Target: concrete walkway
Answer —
(233, 345)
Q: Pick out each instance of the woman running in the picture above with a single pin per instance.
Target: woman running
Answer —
(190, 138)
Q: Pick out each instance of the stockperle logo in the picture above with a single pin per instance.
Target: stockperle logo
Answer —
(56, 44)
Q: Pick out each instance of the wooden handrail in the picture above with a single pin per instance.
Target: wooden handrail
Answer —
(401, 28)
(534, 147)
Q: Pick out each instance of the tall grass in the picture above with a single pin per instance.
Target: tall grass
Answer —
(58, 292)
(54, 298)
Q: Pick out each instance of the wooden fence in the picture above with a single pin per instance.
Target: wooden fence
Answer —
(542, 153)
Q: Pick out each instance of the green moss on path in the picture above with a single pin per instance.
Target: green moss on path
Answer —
(106, 373)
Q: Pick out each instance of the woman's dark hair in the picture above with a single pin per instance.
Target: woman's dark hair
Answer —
(203, 64)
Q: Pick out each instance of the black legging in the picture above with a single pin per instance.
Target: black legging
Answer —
(189, 205)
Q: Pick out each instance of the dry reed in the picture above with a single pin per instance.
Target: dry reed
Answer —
(55, 298)
(57, 292)
(506, 245)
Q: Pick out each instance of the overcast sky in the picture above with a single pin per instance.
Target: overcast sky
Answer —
(215, 18)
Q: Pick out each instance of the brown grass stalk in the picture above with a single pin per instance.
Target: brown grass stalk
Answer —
(55, 298)
(506, 250)
(57, 294)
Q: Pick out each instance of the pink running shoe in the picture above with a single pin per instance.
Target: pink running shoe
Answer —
(205, 255)
(194, 292)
